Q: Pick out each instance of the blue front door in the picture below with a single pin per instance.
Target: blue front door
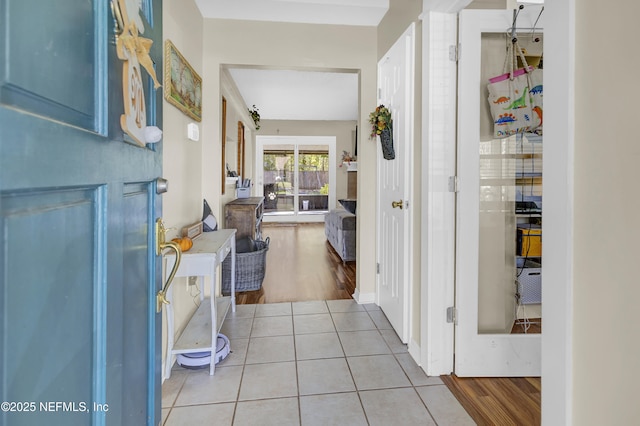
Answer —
(80, 340)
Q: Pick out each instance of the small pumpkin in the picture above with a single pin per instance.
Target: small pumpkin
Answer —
(185, 243)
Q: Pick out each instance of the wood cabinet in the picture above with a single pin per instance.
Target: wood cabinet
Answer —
(245, 215)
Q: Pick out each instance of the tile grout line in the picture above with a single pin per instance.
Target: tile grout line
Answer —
(244, 364)
(364, 412)
(295, 361)
(173, 404)
(395, 356)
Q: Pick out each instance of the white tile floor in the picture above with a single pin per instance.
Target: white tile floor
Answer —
(310, 363)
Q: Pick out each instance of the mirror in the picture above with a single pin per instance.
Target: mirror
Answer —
(241, 153)
(232, 148)
(223, 144)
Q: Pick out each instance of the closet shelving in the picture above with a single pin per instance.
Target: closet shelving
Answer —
(528, 193)
(528, 186)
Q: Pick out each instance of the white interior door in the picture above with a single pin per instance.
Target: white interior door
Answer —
(395, 91)
(486, 274)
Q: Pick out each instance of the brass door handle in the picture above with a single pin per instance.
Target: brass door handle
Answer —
(161, 244)
(395, 204)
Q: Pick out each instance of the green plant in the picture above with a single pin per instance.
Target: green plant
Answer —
(325, 189)
(380, 119)
(255, 116)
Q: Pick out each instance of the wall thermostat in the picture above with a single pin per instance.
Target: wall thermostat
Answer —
(193, 132)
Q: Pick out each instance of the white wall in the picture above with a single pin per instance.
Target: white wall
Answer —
(182, 204)
(181, 157)
(606, 290)
(237, 111)
(590, 344)
(297, 46)
(400, 15)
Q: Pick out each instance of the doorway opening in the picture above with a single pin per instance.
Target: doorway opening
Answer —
(293, 164)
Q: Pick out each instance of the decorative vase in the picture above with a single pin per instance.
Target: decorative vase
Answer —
(386, 139)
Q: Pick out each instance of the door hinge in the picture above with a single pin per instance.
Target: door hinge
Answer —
(454, 52)
(453, 183)
(452, 315)
(377, 268)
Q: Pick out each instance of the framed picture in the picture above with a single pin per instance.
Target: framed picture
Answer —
(182, 85)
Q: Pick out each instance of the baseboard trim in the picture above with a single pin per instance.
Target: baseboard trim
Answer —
(415, 351)
(362, 298)
(172, 360)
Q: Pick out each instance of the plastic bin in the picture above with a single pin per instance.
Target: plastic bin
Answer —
(529, 275)
(243, 192)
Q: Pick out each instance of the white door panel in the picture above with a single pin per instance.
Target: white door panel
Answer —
(395, 77)
(484, 220)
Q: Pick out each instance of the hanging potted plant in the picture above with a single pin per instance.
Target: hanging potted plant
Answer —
(347, 158)
(255, 116)
(382, 125)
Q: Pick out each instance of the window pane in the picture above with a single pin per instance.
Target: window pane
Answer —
(278, 180)
(313, 180)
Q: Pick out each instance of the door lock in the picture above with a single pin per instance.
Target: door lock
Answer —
(395, 204)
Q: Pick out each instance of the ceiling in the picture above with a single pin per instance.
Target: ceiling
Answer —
(298, 95)
(338, 12)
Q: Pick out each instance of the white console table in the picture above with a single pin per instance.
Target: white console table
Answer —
(201, 333)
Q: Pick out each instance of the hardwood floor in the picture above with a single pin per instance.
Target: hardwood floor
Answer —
(533, 326)
(498, 400)
(301, 265)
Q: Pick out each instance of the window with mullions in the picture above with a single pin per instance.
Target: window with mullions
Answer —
(296, 179)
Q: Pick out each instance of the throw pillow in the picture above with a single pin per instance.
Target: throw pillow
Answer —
(209, 222)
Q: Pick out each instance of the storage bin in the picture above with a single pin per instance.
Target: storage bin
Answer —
(529, 276)
(529, 241)
(243, 192)
(250, 269)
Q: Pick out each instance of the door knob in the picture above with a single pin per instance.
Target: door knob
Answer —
(161, 244)
(395, 204)
(162, 185)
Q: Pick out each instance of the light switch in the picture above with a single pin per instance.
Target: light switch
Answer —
(193, 132)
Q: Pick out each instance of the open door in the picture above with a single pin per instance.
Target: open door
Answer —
(489, 295)
(80, 330)
(395, 91)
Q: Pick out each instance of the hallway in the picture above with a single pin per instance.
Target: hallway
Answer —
(310, 363)
(301, 266)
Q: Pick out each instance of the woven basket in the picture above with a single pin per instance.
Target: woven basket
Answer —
(250, 269)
